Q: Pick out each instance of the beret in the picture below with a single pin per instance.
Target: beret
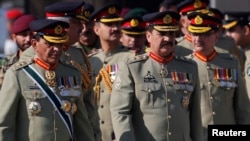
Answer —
(22, 23)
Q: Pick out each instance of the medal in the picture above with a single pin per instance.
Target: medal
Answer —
(73, 108)
(190, 88)
(176, 86)
(66, 106)
(35, 107)
(216, 83)
(164, 72)
(185, 101)
(50, 78)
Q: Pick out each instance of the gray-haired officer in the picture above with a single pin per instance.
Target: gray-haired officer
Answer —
(40, 98)
(106, 62)
(156, 96)
(73, 13)
(224, 99)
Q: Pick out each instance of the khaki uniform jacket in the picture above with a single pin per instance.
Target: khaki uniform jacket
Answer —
(5, 64)
(89, 50)
(147, 105)
(17, 123)
(247, 68)
(77, 55)
(110, 60)
(221, 101)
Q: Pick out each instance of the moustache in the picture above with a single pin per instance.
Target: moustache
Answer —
(116, 32)
(168, 43)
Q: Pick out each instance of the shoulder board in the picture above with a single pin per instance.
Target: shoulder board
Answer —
(226, 56)
(138, 58)
(20, 64)
(179, 39)
(186, 59)
(94, 52)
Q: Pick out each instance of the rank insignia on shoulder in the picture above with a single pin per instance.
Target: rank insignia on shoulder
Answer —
(248, 71)
(149, 77)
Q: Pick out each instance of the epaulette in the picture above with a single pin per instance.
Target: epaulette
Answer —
(186, 59)
(94, 52)
(138, 58)
(226, 55)
(179, 39)
(21, 64)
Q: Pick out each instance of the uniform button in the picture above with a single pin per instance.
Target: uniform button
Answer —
(209, 83)
(102, 106)
(102, 122)
(102, 91)
(105, 62)
(211, 98)
(169, 133)
(208, 67)
(167, 84)
(56, 129)
(214, 113)
(169, 100)
(169, 117)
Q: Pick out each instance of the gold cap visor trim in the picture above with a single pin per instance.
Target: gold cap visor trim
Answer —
(230, 25)
(166, 28)
(133, 33)
(195, 29)
(111, 20)
(54, 39)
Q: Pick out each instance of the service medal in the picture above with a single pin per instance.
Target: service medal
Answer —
(35, 107)
(50, 77)
(216, 83)
(229, 84)
(164, 73)
(222, 83)
(66, 106)
(190, 88)
(176, 86)
(185, 101)
(73, 108)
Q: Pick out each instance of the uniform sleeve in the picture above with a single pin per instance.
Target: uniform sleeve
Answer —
(82, 127)
(241, 101)
(9, 98)
(195, 111)
(121, 103)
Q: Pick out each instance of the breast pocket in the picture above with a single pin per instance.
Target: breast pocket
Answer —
(35, 96)
(152, 95)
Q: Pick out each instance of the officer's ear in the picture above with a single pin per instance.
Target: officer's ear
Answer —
(34, 43)
(148, 36)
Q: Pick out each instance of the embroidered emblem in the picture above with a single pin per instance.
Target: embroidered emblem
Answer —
(248, 71)
(149, 77)
(134, 22)
(198, 20)
(111, 10)
(117, 82)
(167, 19)
(58, 29)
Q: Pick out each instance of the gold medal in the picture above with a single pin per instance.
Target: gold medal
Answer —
(185, 101)
(35, 107)
(66, 106)
(50, 77)
(216, 83)
(73, 108)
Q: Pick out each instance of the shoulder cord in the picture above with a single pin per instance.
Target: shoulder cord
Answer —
(103, 74)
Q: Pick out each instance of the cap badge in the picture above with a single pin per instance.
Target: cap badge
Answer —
(167, 19)
(198, 20)
(58, 29)
(197, 4)
(86, 13)
(134, 22)
(111, 10)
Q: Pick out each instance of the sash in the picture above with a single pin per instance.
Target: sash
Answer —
(53, 98)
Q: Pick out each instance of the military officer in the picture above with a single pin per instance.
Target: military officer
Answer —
(40, 98)
(88, 40)
(237, 26)
(21, 35)
(133, 31)
(106, 62)
(184, 46)
(73, 13)
(224, 99)
(156, 96)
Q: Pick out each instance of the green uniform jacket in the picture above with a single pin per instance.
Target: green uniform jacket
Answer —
(222, 103)
(98, 61)
(17, 123)
(148, 106)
